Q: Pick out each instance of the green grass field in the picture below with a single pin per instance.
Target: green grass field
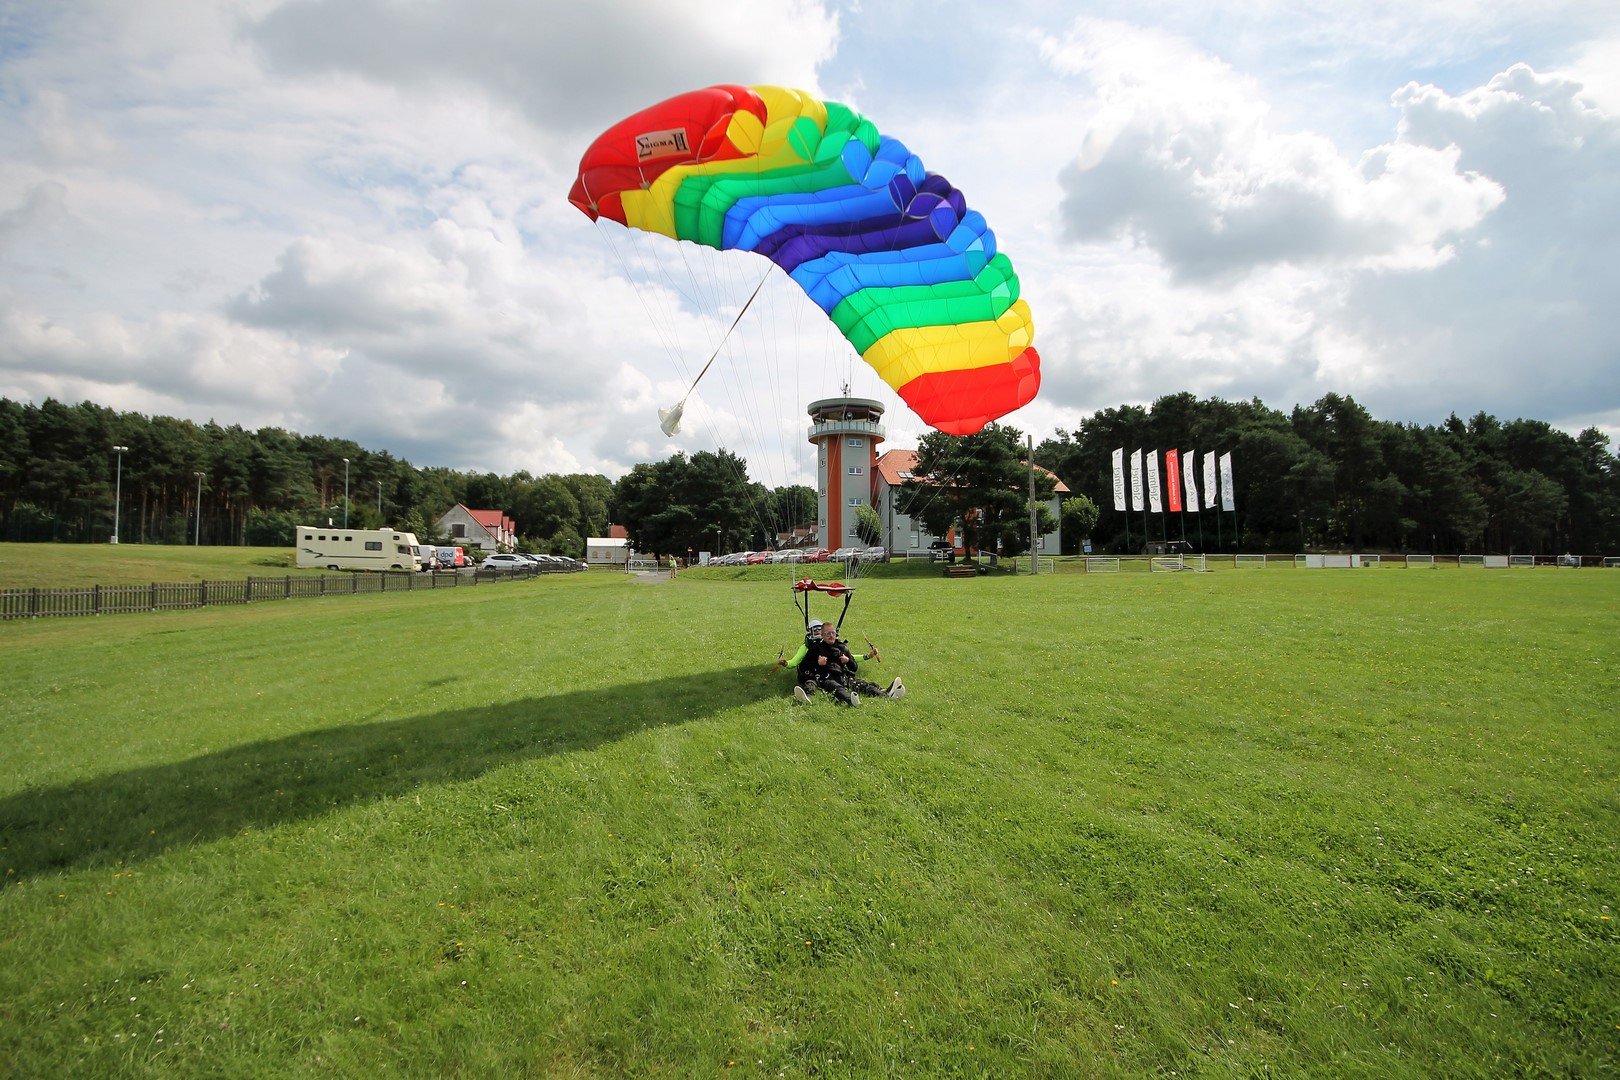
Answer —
(1311, 823)
(67, 565)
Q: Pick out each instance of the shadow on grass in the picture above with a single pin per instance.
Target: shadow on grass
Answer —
(133, 815)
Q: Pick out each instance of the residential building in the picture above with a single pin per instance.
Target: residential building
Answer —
(806, 535)
(487, 530)
(902, 535)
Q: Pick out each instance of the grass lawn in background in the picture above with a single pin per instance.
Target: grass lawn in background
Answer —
(66, 565)
(1202, 824)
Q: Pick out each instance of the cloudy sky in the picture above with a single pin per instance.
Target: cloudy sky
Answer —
(349, 217)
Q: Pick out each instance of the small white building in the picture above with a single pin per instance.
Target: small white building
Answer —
(607, 551)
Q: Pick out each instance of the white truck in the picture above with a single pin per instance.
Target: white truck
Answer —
(356, 549)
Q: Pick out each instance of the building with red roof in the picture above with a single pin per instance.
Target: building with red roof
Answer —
(488, 530)
(901, 535)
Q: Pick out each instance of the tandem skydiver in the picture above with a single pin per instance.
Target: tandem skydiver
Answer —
(825, 663)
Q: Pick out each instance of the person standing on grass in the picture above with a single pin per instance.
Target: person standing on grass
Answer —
(825, 663)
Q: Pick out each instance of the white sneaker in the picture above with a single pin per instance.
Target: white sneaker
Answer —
(897, 689)
(854, 698)
(800, 696)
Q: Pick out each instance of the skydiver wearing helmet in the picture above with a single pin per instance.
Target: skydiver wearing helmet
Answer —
(825, 663)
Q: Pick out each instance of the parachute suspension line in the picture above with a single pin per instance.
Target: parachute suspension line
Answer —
(670, 419)
(779, 414)
(624, 268)
(726, 278)
(662, 323)
(718, 276)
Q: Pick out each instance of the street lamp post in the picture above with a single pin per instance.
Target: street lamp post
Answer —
(118, 489)
(196, 537)
(345, 493)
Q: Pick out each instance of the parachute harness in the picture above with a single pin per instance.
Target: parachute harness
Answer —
(833, 589)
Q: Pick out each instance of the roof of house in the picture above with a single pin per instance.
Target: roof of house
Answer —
(476, 522)
(490, 519)
(606, 542)
(896, 467)
(617, 532)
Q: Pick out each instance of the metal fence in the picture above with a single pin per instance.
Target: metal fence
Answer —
(35, 603)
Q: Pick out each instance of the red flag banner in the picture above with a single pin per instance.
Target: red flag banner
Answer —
(1172, 474)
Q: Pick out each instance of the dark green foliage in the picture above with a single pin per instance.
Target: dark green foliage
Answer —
(794, 505)
(58, 475)
(1331, 476)
(1080, 516)
(868, 525)
(978, 484)
(679, 503)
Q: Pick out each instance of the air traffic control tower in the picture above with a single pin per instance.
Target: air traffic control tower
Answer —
(846, 432)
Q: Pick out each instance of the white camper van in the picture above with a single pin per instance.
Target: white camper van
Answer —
(356, 549)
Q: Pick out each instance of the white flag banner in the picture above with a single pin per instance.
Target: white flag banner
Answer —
(1119, 479)
(1136, 479)
(1226, 482)
(1209, 480)
(1155, 501)
(1189, 483)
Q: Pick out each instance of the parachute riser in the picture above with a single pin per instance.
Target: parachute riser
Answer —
(833, 588)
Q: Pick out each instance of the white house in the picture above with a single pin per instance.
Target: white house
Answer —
(487, 530)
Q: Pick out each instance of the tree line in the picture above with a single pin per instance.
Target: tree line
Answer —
(179, 482)
(1324, 476)
(1329, 476)
(182, 481)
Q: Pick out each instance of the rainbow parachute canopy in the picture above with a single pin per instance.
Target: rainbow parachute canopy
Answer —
(888, 250)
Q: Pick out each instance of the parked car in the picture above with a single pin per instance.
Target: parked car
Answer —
(815, 555)
(501, 561)
(758, 557)
(844, 553)
(875, 554)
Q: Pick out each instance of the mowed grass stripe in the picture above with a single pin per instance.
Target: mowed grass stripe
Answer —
(1316, 822)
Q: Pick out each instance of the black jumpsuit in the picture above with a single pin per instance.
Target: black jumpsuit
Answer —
(837, 676)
